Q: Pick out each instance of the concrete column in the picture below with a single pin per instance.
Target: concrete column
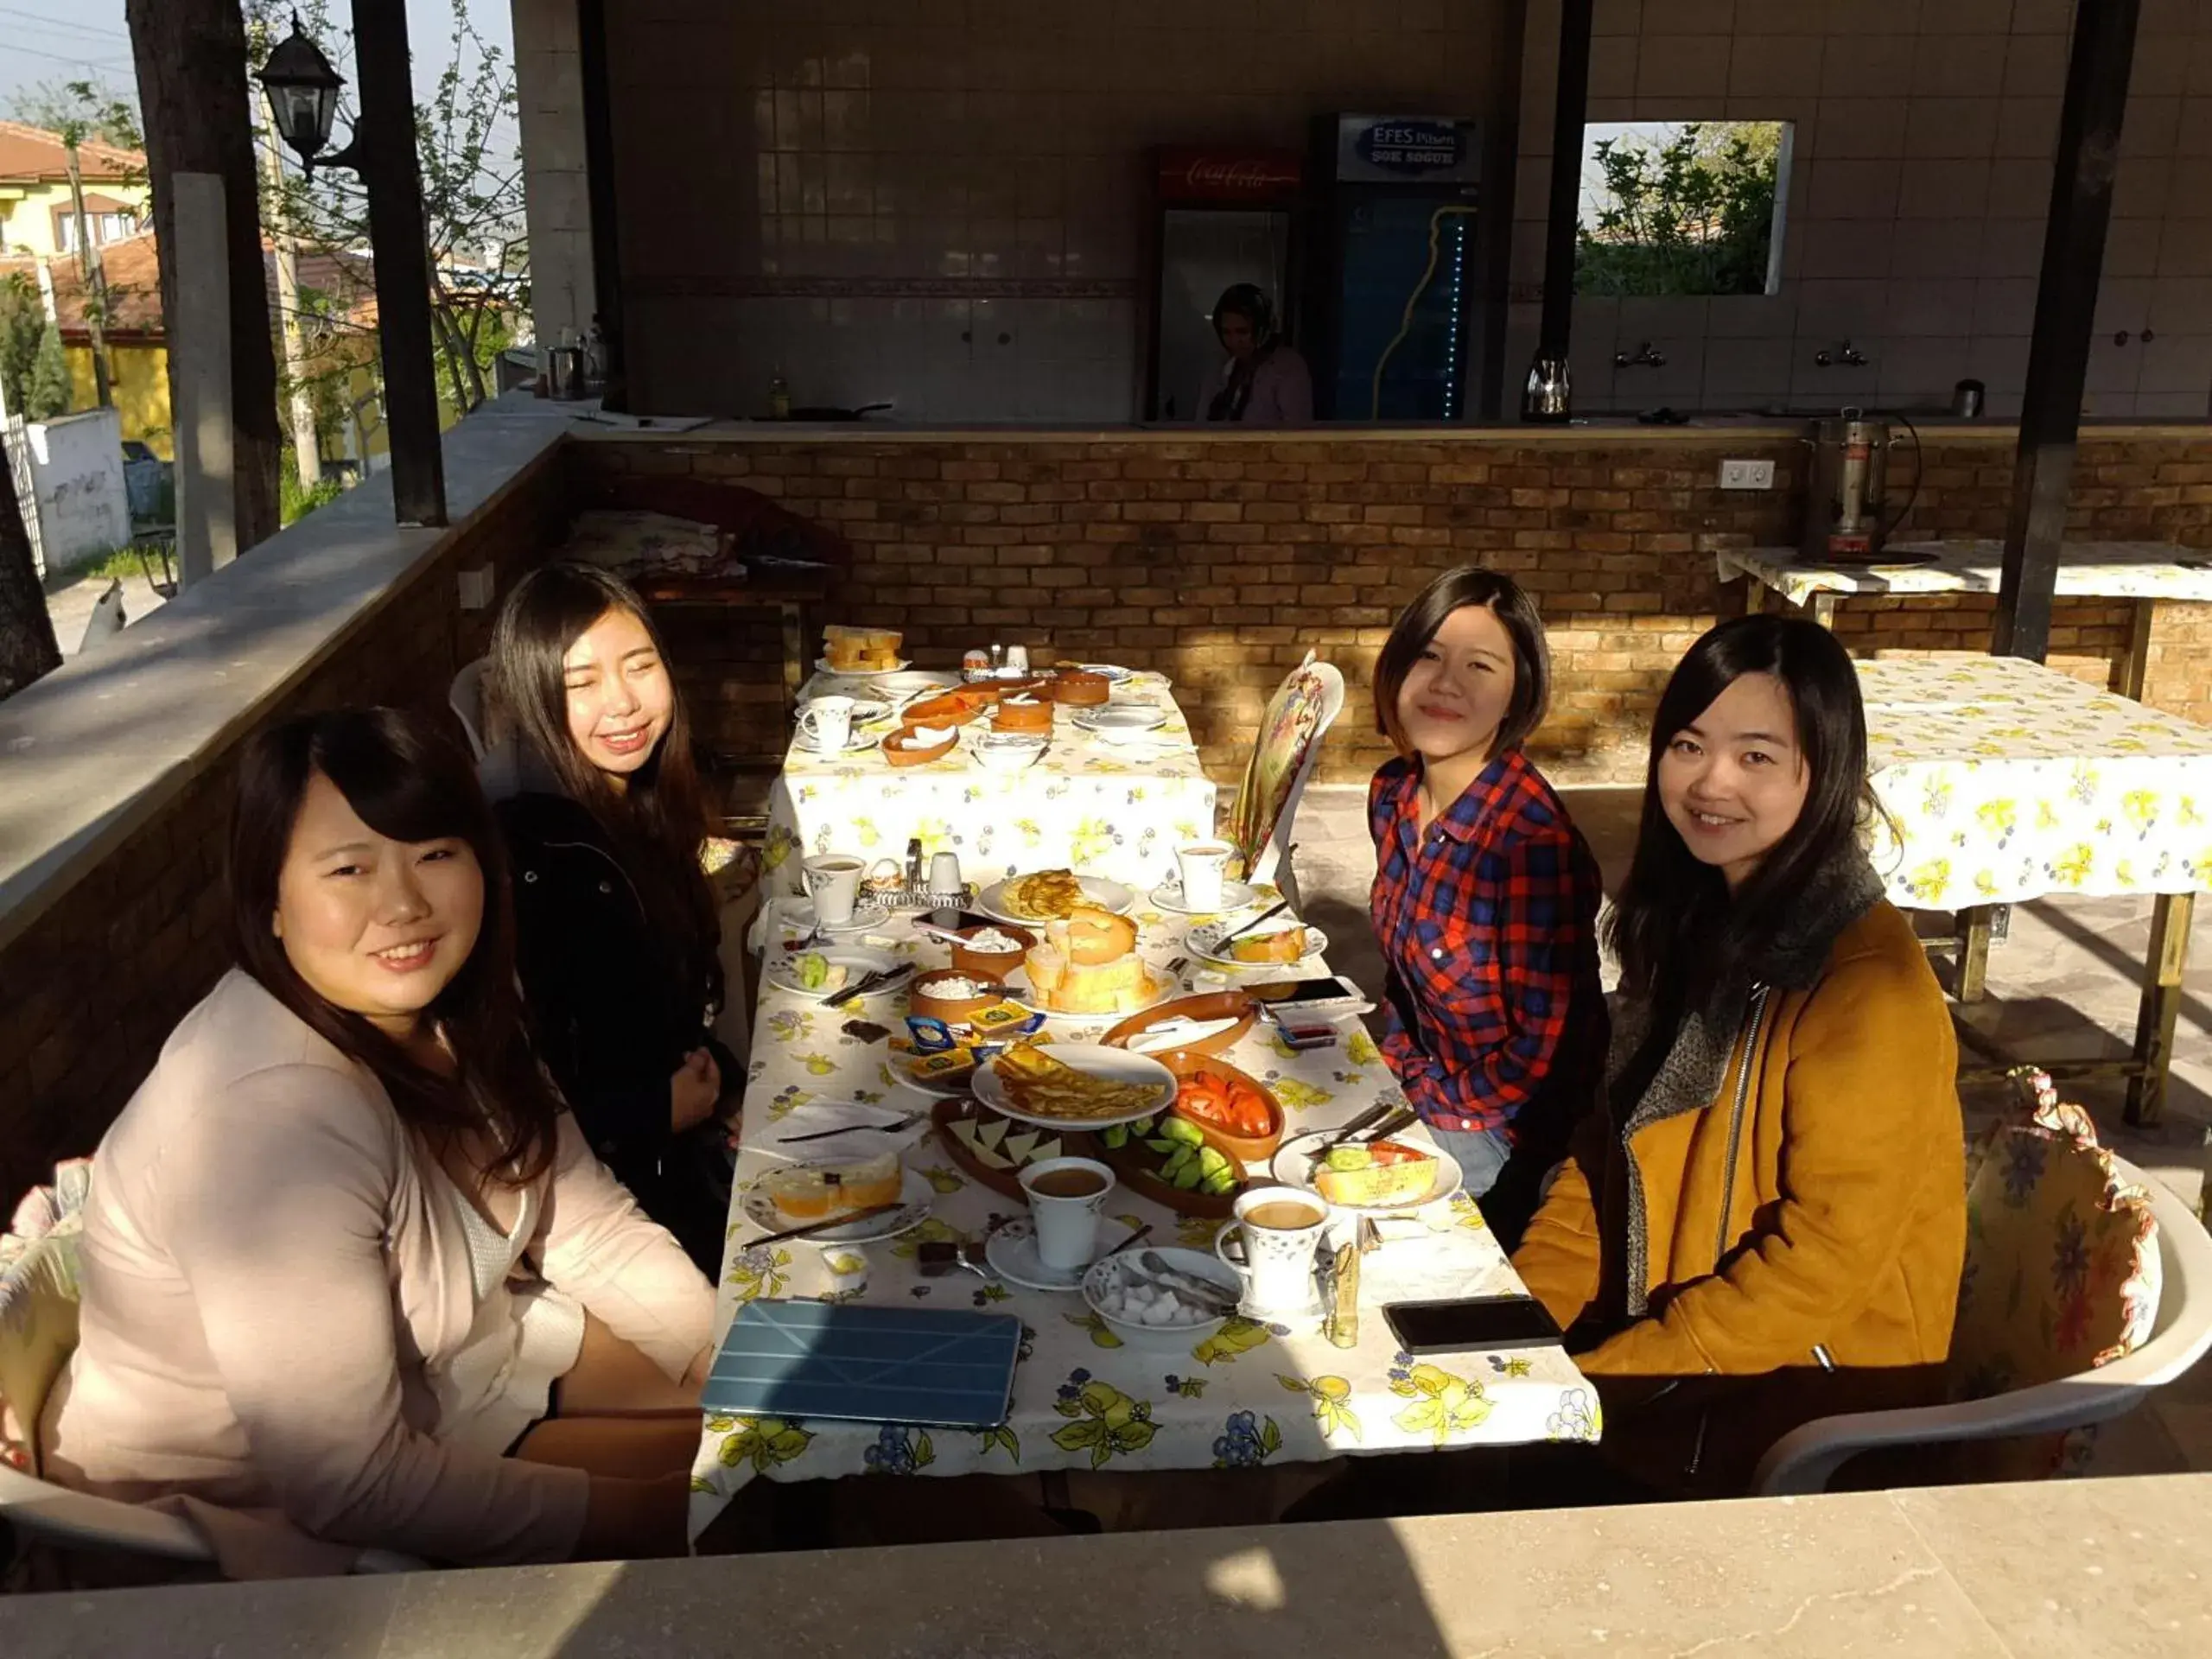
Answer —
(548, 86)
(200, 345)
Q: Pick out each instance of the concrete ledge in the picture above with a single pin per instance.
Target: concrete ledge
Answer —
(97, 748)
(2061, 1569)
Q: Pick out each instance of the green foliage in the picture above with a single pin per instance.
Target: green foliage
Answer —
(49, 392)
(23, 321)
(1693, 214)
(294, 503)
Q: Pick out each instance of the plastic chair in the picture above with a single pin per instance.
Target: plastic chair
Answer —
(1284, 755)
(38, 1332)
(1803, 1460)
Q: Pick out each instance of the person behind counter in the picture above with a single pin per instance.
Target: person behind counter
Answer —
(616, 928)
(1485, 897)
(1765, 1222)
(350, 1277)
(1263, 382)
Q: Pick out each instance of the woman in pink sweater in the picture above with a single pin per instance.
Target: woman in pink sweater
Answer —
(347, 1265)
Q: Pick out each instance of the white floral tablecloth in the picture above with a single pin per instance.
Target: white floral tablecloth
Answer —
(1251, 1395)
(2008, 781)
(1106, 808)
(2088, 569)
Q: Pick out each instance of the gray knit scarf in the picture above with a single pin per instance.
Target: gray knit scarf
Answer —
(1696, 1063)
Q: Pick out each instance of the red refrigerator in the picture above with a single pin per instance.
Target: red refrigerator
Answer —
(1220, 216)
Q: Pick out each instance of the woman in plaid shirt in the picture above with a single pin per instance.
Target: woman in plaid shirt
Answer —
(1486, 897)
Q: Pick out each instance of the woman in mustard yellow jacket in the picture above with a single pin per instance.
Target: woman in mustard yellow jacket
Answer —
(1765, 1221)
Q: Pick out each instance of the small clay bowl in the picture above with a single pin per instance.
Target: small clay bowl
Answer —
(954, 1009)
(993, 964)
(1081, 689)
(1034, 718)
(1240, 1148)
(896, 752)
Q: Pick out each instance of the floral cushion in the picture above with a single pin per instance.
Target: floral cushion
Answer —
(38, 1305)
(2062, 1268)
(1295, 717)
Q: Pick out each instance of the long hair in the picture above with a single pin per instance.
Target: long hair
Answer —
(1678, 932)
(408, 782)
(657, 823)
(1250, 302)
(1417, 625)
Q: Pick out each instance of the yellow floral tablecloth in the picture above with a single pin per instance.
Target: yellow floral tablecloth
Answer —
(1252, 1395)
(2088, 570)
(2007, 781)
(1106, 808)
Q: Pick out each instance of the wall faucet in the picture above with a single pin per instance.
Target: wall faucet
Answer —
(1646, 357)
(1848, 355)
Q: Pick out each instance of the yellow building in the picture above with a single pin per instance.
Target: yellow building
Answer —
(37, 216)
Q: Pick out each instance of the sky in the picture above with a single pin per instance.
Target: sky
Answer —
(72, 40)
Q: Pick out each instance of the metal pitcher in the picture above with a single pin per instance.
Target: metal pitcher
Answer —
(1843, 497)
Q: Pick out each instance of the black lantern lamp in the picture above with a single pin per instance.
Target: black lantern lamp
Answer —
(302, 93)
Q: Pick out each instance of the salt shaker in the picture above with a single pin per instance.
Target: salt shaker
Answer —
(1017, 659)
(944, 875)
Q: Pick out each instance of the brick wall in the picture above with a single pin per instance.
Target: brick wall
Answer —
(95, 985)
(1221, 562)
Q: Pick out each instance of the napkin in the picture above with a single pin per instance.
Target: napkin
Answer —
(928, 737)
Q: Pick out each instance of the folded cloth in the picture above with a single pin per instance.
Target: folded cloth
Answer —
(928, 737)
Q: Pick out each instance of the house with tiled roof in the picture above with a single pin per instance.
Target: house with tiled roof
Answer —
(36, 216)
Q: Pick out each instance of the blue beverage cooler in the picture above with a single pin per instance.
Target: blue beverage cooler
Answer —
(1391, 290)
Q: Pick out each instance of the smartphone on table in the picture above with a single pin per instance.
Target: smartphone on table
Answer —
(1472, 1322)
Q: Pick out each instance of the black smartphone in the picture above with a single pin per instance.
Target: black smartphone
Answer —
(1278, 991)
(1451, 1327)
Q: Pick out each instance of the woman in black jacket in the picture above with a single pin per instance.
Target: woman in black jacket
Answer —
(616, 931)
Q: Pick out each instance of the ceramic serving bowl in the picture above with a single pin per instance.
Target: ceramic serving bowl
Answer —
(993, 964)
(896, 749)
(1001, 752)
(924, 999)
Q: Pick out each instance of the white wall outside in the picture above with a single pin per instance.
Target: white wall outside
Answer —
(76, 470)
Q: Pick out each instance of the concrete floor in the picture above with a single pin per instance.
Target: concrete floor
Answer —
(2065, 985)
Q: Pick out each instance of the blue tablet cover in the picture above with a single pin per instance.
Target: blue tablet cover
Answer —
(938, 1366)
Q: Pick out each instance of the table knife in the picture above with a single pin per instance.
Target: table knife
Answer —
(814, 1227)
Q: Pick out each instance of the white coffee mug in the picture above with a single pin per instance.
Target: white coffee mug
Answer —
(826, 723)
(1067, 1222)
(833, 881)
(1202, 864)
(1274, 1260)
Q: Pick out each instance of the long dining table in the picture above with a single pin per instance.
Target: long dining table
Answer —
(1253, 1393)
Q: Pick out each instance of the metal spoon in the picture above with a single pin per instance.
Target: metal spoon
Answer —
(1199, 1290)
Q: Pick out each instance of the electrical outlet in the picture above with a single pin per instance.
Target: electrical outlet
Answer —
(1747, 475)
(476, 585)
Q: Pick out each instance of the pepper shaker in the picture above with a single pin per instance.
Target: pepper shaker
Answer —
(914, 883)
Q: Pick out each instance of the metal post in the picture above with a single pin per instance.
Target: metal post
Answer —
(385, 137)
(2066, 304)
(1572, 102)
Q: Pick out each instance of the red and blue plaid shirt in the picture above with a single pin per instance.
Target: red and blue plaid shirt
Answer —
(1488, 929)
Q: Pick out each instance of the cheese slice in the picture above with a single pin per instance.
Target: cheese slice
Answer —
(991, 1134)
(1017, 1147)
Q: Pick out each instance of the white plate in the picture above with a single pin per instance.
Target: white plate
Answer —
(1112, 673)
(821, 665)
(784, 976)
(1107, 895)
(856, 740)
(915, 1195)
(1115, 1063)
(866, 711)
(1022, 996)
(1120, 717)
(912, 682)
(1235, 896)
(1293, 1165)
(1202, 1265)
(1204, 940)
(1012, 1253)
(798, 913)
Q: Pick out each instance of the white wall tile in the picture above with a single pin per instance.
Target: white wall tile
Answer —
(1765, 64)
(1957, 66)
(1944, 189)
(1861, 64)
(2176, 362)
(1849, 188)
(1951, 127)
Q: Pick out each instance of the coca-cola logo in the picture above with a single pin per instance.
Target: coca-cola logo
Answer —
(1199, 173)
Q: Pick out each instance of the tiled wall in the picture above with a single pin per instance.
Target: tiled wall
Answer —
(943, 203)
(1923, 136)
